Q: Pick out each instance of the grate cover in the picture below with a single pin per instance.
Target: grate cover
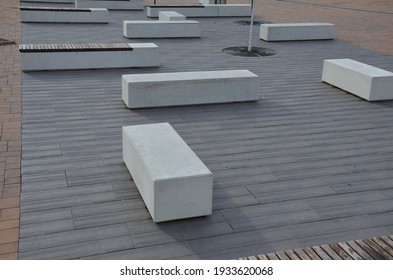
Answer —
(255, 51)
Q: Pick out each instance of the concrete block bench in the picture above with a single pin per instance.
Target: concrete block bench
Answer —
(50, 1)
(161, 29)
(360, 79)
(173, 182)
(170, 15)
(189, 88)
(64, 15)
(88, 56)
(297, 31)
(228, 10)
(111, 4)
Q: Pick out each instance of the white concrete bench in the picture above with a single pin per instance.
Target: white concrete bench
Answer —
(65, 15)
(88, 56)
(206, 10)
(161, 29)
(189, 88)
(111, 4)
(170, 15)
(297, 31)
(360, 79)
(173, 182)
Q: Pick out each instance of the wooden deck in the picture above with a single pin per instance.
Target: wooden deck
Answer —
(307, 164)
(86, 47)
(377, 248)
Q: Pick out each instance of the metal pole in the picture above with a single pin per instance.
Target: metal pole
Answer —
(249, 49)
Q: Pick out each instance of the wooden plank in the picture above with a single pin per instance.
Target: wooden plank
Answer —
(350, 251)
(321, 253)
(282, 256)
(292, 255)
(262, 257)
(387, 241)
(302, 254)
(369, 250)
(378, 249)
(330, 252)
(311, 253)
(383, 245)
(359, 250)
(252, 258)
(340, 251)
(272, 256)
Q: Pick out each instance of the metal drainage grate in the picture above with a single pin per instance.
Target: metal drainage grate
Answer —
(248, 22)
(255, 51)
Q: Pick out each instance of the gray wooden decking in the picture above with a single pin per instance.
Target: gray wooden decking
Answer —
(307, 164)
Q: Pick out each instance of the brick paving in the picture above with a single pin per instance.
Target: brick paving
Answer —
(10, 130)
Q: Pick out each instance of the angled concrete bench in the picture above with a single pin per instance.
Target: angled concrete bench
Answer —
(189, 88)
(173, 182)
(161, 29)
(170, 15)
(203, 10)
(88, 56)
(368, 82)
(111, 4)
(64, 15)
(297, 31)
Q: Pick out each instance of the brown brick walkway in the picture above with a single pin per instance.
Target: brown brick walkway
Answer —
(10, 129)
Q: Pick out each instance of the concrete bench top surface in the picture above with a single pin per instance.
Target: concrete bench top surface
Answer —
(363, 68)
(75, 47)
(54, 9)
(176, 6)
(164, 152)
(170, 13)
(180, 76)
(161, 21)
(302, 24)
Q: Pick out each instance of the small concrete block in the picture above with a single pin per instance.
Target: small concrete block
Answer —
(161, 29)
(170, 15)
(111, 4)
(189, 88)
(173, 182)
(368, 82)
(297, 31)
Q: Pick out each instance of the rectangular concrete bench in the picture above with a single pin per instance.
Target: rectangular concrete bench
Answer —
(173, 182)
(189, 88)
(360, 79)
(205, 10)
(111, 4)
(50, 1)
(170, 15)
(297, 31)
(65, 15)
(88, 56)
(161, 29)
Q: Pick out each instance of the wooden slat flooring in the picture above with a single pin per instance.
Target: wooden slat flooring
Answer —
(307, 164)
(377, 248)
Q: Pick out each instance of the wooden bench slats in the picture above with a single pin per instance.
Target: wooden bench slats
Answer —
(369, 250)
(331, 252)
(310, 252)
(292, 255)
(383, 245)
(302, 254)
(75, 47)
(54, 9)
(272, 256)
(282, 256)
(378, 249)
(262, 257)
(387, 241)
(340, 252)
(350, 251)
(359, 250)
(321, 253)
